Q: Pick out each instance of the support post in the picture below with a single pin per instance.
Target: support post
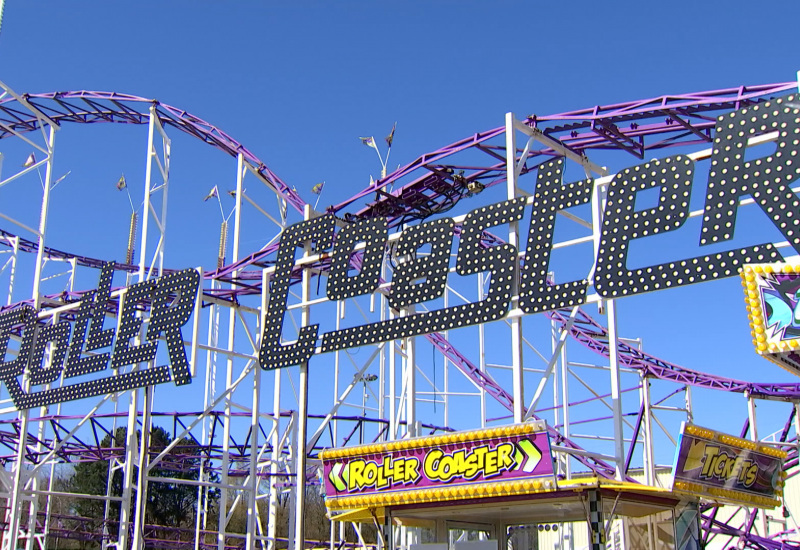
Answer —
(616, 394)
(597, 524)
(411, 382)
(10, 541)
(482, 350)
(144, 471)
(567, 467)
(302, 421)
(272, 514)
(300, 502)
(513, 239)
(649, 457)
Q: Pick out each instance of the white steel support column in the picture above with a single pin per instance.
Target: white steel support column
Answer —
(688, 403)
(556, 350)
(513, 239)
(565, 407)
(252, 491)
(300, 483)
(10, 541)
(272, 514)
(252, 503)
(209, 392)
(410, 368)
(223, 506)
(144, 471)
(148, 208)
(337, 369)
(751, 416)
(37, 274)
(616, 395)
(292, 503)
(136, 452)
(649, 460)
(393, 416)
(300, 461)
(131, 451)
(482, 350)
(33, 508)
(383, 361)
(445, 376)
(13, 273)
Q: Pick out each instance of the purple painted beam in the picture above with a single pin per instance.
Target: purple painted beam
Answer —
(85, 107)
(594, 336)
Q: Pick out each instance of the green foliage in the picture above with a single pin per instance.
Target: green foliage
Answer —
(168, 503)
(171, 503)
(92, 478)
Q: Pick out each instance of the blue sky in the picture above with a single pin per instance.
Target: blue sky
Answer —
(298, 83)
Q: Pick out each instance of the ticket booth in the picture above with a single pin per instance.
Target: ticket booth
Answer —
(496, 489)
(483, 490)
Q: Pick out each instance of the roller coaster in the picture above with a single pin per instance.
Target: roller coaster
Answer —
(611, 408)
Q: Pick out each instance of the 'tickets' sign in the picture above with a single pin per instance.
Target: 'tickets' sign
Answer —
(727, 468)
(493, 455)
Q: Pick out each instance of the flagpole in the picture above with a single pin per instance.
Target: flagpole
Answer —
(2, 9)
(370, 142)
(319, 195)
(130, 200)
(221, 211)
(377, 152)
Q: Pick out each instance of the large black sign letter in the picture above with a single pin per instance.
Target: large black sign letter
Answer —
(373, 233)
(92, 310)
(551, 196)
(766, 179)
(622, 224)
(173, 302)
(421, 278)
(273, 354)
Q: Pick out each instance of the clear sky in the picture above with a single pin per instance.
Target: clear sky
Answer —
(298, 83)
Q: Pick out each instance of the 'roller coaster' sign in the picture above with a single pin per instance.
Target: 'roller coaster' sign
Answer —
(76, 348)
(171, 299)
(730, 178)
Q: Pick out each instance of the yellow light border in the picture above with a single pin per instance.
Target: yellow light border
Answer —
(727, 495)
(733, 441)
(442, 494)
(432, 441)
(758, 329)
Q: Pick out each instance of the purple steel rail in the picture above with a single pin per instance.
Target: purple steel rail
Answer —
(635, 127)
(87, 107)
(594, 336)
(96, 531)
(90, 448)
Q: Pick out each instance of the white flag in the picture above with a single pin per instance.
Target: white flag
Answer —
(212, 194)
